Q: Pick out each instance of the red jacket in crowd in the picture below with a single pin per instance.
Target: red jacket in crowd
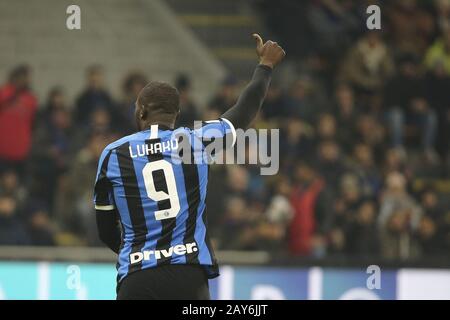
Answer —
(303, 224)
(17, 112)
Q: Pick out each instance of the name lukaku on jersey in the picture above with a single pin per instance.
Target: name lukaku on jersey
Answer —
(179, 249)
(141, 150)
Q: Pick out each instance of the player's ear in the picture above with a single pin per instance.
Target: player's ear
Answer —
(143, 114)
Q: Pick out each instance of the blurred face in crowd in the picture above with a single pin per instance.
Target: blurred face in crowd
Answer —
(39, 219)
(409, 69)
(95, 78)
(429, 199)
(442, 7)
(235, 208)
(9, 181)
(363, 154)
(398, 221)
(329, 151)
(373, 39)
(57, 99)
(350, 190)
(304, 173)
(7, 206)
(366, 213)
(393, 159)
(345, 99)
(299, 89)
(229, 90)
(100, 120)
(61, 118)
(294, 129)
(283, 187)
(427, 228)
(327, 126)
(21, 78)
(396, 183)
(370, 130)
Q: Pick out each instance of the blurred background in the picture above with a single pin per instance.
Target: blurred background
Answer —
(364, 119)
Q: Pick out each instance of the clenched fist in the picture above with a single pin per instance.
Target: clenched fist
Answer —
(269, 53)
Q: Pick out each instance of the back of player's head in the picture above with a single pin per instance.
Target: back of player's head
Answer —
(159, 97)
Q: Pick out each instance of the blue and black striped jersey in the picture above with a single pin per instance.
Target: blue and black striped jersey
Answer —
(159, 197)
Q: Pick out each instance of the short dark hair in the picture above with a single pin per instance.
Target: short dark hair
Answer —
(159, 97)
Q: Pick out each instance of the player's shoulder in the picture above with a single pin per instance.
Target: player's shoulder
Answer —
(120, 142)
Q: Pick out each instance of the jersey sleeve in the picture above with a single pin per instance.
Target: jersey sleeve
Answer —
(103, 191)
(217, 129)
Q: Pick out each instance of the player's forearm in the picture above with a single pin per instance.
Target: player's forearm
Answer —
(108, 230)
(251, 99)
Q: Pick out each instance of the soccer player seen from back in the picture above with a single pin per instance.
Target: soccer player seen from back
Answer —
(151, 187)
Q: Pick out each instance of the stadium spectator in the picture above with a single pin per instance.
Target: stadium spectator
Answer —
(132, 84)
(296, 141)
(439, 52)
(17, 114)
(437, 84)
(52, 146)
(226, 95)
(361, 232)
(310, 202)
(39, 226)
(12, 230)
(274, 106)
(94, 97)
(333, 23)
(238, 226)
(304, 101)
(442, 12)
(329, 162)
(346, 113)
(189, 110)
(411, 25)
(368, 64)
(407, 104)
(74, 200)
(363, 166)
(399, 216)
(10, 185)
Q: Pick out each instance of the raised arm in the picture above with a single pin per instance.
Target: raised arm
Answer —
(251, 99)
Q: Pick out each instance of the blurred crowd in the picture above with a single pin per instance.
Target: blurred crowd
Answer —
(364, 142)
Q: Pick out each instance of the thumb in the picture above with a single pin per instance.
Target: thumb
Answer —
(259, 40)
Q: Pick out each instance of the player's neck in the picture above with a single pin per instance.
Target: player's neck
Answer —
(147, 124)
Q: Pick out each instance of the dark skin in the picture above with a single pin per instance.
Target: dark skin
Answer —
(145, 118)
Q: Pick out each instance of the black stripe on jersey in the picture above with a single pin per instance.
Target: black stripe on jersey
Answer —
(103, 185)
(122, 243)
(134, 203)
(207, 239)
(192, 186)
(167, 225)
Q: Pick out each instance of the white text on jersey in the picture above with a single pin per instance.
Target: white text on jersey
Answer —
(141, 150)
(179, 249)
